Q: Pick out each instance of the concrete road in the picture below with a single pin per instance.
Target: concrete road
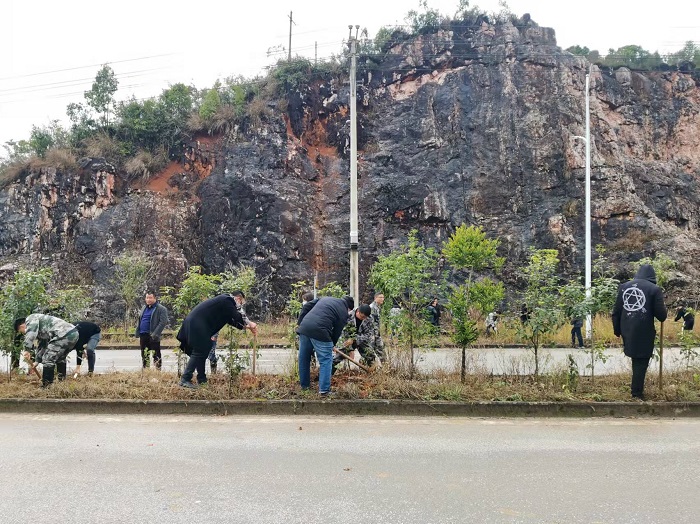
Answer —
(511, 361)
(131, 469)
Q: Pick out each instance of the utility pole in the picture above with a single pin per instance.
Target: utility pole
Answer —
(291, 21)
(587, 140)
(589, 327)
(354, 235)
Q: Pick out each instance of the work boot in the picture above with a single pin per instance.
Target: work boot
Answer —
(61, 370)
(47, 376)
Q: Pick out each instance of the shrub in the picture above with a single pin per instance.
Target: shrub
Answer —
(145, 164)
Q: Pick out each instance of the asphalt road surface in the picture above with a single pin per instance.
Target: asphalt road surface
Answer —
(511, 361)
(133, 469)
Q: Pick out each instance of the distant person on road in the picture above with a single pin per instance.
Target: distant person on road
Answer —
(576, 325)
(152, 321)
(688, 317)
(434, 313)
(55, 339)
(89, 334)
(319, 330)
(199, 326)
(525, 313)
(638, 302)
(492, 322)
(212, 353)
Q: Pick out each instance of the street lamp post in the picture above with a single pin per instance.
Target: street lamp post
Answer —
(587, 141)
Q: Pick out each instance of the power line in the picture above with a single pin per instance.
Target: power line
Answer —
(75, 81)
(86, 66)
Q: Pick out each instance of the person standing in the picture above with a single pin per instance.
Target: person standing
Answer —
(376, 307)
(638, 302)
(576, 325)
(319, 330)
(89, 334)
(434, 313)
(206, 319)
(55, 337)
(152, 320)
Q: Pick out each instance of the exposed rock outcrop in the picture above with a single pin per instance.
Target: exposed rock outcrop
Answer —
(474, 125)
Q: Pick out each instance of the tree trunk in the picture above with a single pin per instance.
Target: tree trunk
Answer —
(464, 364)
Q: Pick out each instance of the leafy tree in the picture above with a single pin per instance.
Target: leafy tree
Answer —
(632, 56)
(211, 102)
(100, 97)
(332, 289)
(20, 297)
(427, 20)
(131, 274)
(469, 250)
(578, 50)
(194, 288)
(238, 278)
(29, 291)
(408, 277)
(542, 299)
(602, 299)
(662, 264)
(44, 138)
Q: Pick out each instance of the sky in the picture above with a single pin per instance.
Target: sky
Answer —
(50, 51)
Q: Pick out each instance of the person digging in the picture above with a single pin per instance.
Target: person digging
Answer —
(55, 338)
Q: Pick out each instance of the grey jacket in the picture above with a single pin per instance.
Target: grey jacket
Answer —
(159, 319)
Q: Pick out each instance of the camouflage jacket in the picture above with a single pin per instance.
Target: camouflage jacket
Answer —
(367, 336)
(44, 328)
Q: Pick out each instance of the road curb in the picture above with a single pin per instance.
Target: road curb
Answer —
(352, 407)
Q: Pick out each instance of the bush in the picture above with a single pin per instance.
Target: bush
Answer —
(146, 164)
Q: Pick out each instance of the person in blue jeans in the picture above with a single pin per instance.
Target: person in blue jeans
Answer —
(319, 329)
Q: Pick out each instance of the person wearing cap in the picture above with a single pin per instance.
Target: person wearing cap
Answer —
(364, 338)
(319, 330)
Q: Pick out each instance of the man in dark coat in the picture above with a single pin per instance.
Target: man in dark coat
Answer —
(688, 318)
(638, 302)
(319, 330)
(206, 319)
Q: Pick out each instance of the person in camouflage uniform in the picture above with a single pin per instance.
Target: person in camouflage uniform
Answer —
(55, 338)
(361, 334)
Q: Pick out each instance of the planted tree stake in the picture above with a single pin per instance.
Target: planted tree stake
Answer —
(255, 351)
(661, 356)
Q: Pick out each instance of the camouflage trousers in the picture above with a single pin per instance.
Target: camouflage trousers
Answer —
(57, 349)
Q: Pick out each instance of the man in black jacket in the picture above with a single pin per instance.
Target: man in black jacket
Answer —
(89, 334)
(206, 319)
(688, 317)
(319, 329)
(638, 302)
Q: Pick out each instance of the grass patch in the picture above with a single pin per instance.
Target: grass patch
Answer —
(154, 385)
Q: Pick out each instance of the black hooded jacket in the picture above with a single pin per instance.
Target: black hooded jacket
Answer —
(638, 302)
(206, 319)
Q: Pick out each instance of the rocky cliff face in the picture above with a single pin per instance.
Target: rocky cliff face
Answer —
(472, 125)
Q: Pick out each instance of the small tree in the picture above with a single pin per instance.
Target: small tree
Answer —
(542, 299)
(469, 250)
(408, 276)
(20, 297)
(100, 97)
(131, 274)
(662, 264)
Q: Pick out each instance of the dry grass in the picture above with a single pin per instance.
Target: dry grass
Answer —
(146, 164)
(154, 385)
(103, 145)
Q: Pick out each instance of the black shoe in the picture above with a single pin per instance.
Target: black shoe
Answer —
(188, 385)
